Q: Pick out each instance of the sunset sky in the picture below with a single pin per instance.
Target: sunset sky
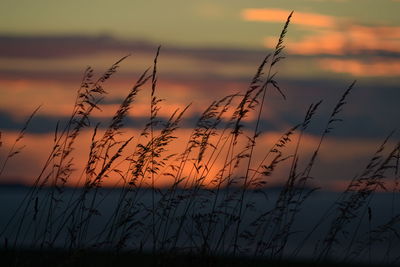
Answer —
(209, 49)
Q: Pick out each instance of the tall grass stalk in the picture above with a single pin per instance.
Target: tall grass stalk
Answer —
(209, 205)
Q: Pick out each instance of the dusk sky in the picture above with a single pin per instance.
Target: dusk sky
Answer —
(209, 49)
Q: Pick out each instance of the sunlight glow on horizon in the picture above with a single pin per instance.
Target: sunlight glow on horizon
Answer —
(37, 146)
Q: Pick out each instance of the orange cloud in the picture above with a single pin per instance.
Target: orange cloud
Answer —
(384, 67)
(331, 43)
(21, 97)
(280, 15)
(354, 39)
(331, 35)
(375, 38)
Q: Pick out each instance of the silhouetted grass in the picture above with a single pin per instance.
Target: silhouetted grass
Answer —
(202, 216)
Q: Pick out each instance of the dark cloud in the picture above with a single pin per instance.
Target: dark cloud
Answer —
(76, 45)
(67, 46)
(63, 46)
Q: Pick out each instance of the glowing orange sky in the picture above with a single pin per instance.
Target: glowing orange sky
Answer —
(37, 147)
(211, 49)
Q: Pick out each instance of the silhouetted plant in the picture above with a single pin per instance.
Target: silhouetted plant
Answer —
(202, 211)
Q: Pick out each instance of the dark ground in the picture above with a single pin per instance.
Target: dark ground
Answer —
(99, 259)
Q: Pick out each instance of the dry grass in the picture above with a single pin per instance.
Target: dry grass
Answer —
(188, 216)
